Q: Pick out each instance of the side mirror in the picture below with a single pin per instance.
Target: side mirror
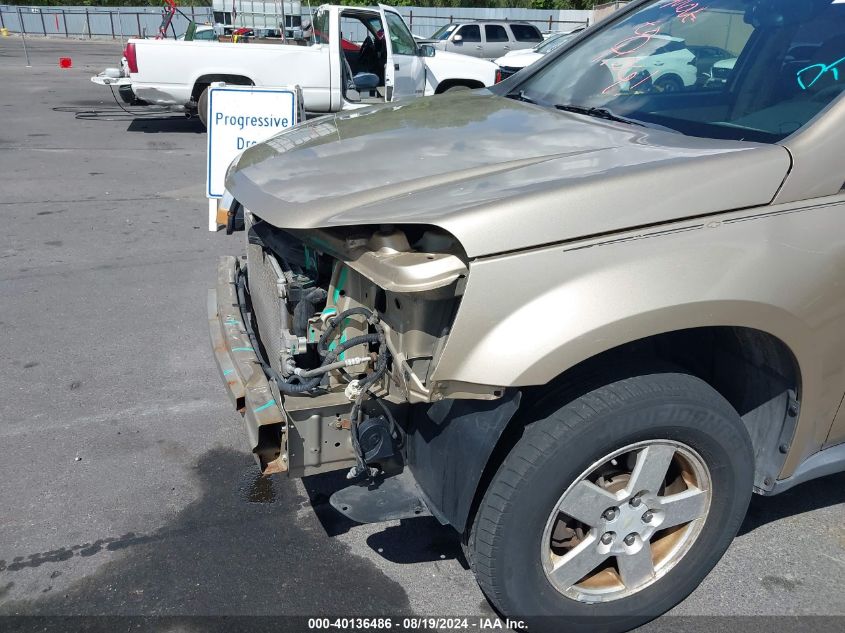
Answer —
(458, 39)
(426, 50)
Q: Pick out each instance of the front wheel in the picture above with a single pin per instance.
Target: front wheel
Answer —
(669, 84)
(613, 508)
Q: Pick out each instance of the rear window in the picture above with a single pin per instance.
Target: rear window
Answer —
(322, 27)
(526, 33)
(470, 33)
(553, 42)
(495, 33)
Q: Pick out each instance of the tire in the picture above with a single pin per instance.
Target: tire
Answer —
(669, 84)
(202, 107)
(458, 88)
(674, 414)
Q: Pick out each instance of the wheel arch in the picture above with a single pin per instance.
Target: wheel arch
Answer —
(671, 76)
(203, 81)
(444, 85)
(755, 371)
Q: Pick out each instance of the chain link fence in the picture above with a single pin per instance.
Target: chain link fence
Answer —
(89, 22)
(126, 22)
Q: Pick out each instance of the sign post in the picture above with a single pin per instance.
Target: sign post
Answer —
(238, 118)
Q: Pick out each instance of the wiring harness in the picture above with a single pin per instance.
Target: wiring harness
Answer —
(306, 381)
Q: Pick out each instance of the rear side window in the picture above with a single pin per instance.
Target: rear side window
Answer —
(526, 33)
(322, 27)
(470, 33)
(495, 33)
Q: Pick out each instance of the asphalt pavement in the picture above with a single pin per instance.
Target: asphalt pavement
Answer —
(126, 487)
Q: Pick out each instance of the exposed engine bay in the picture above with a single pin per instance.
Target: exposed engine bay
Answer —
(348, 326)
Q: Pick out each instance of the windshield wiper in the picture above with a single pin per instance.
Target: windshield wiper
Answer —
(599, 113)
(519, 95)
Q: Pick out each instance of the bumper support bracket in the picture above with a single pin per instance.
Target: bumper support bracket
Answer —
(240, 368)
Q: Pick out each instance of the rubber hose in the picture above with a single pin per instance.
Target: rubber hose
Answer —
(291, 387)
(305, 307)
(334, 322)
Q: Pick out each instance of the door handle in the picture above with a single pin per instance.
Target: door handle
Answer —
(395, 66)
(507, 48)
(478, 47)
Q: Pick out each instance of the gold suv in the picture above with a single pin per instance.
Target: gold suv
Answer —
(581, 317)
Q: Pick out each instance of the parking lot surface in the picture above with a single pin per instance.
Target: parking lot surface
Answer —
(125, 484)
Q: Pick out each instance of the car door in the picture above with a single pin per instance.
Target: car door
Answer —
(404, 73)
(497, 42)
(467, 41)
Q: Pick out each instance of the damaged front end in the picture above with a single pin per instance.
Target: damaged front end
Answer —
(327, 339)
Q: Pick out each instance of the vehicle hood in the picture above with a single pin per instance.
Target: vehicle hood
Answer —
(498, 174)
(512, 60)
(517, 53)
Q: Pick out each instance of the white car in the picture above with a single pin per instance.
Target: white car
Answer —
(664, 63)
(517, 60)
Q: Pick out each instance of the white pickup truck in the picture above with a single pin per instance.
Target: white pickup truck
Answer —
(333, 72)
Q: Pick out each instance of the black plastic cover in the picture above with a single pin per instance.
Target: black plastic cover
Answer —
(448, 447)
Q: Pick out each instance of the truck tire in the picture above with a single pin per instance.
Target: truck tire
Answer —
(202, 107)
(614, 507)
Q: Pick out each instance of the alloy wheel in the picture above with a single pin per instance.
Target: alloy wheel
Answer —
(626, 521)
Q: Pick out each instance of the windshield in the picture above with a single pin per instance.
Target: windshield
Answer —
(443, 32)
(553, 42)
(734, 69)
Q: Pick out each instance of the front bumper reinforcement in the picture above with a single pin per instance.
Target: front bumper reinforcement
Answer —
(238, 363)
